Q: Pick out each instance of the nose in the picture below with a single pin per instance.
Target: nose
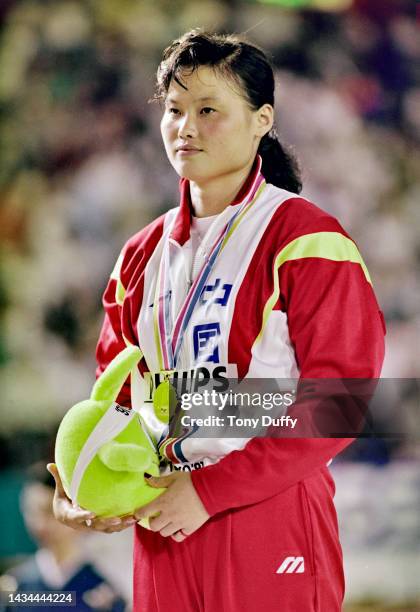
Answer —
(187, 127)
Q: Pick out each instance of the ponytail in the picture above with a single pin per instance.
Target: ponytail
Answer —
(279, 166)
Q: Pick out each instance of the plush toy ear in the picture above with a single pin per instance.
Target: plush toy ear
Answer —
(113, 377)
(126, 457)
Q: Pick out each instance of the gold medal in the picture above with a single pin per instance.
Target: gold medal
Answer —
(164, 399)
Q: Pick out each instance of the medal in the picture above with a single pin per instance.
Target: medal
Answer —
(164, 400)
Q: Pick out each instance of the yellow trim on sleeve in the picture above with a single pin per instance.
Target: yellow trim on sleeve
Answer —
(325, 245)
(115, 275)
(119, 293)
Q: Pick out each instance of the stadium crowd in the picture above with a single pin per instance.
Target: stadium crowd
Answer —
(82, 168)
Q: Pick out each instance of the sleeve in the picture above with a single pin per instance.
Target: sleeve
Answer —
(337, 331)
(122, 300)
(111, 340)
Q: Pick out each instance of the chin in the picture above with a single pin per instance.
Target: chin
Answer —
(188, 171)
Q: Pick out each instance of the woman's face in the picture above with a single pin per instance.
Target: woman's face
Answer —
(208, 129)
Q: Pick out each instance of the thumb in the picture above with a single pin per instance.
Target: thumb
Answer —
(159, 482)
(53, 470)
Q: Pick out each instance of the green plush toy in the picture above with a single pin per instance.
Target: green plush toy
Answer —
(103, 451)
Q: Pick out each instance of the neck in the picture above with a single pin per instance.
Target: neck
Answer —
(212, 197)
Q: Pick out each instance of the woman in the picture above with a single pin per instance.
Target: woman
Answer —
(244, 278)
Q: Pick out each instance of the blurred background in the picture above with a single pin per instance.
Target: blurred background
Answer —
(82, 168)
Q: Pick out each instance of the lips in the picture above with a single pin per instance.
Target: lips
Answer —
(188, 149)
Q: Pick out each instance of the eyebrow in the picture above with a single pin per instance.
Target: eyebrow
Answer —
(172, 100)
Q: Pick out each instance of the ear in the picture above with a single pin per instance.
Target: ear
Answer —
(264, 119)
(109, 384)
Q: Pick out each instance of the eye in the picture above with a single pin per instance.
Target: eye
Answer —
(207, 110)
(172, 110)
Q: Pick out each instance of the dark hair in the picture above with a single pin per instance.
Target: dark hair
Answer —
(248, 66)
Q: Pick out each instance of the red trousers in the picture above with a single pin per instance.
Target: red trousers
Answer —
(280, 555)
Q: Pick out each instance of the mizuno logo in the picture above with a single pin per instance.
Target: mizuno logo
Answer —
(292, 565)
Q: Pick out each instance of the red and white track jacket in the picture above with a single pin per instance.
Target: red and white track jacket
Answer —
(289, 296)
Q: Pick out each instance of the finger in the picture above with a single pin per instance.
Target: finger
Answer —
(113, 523)
(178, 537)
(103, 524)
(160, 482)
(78, 515)
(115, 529)
(76, 511)
(87, 514)
(186, 532)
(152, 509)
(121, 525)
(74, 524)
(120, 528)
(129, 522)
(53, 470)
(77, 526)
(169, 529)
(158, 523)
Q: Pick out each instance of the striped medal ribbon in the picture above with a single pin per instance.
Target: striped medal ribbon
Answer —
(168, 335)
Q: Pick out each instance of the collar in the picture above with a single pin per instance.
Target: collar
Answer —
(182, 226)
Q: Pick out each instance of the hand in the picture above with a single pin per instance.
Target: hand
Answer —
(180, 509)
(76, 517)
